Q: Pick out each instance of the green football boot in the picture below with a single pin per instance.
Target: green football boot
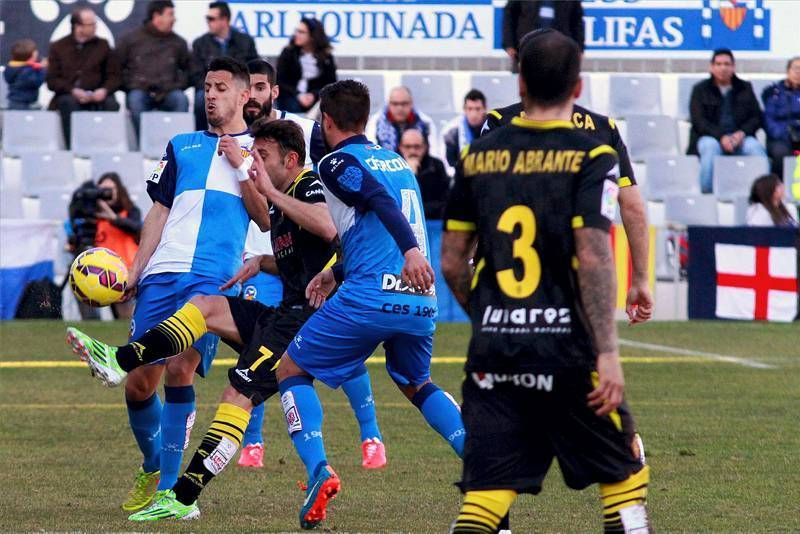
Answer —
(102, 358)
(143, 491)
(167, 507)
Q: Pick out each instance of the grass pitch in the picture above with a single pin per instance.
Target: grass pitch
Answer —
(722, 439)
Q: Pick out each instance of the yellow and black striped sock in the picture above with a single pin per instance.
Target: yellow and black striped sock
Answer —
(482, 511)
(624, 507)
(168, 338)
(219, 446)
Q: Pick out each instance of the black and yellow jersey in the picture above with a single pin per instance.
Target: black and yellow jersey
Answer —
(523, 189)
(602, 128)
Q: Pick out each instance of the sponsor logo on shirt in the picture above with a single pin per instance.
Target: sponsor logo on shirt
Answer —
(394, 284)
(549, 320)
(525, 380)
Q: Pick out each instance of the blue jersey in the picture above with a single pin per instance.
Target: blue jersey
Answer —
(375, 204)
(205, 231)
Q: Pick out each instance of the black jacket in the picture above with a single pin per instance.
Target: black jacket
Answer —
(290, 72)
(205, 48)
(434, 186)
(522, 16)
(153, 61)
(705, 108)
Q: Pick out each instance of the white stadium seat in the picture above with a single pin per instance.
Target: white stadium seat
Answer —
(672, 175)
(734, 175)
(44, 170)
(158, 127)
(433, 93)
(634, 95)
(95, 132)
(31, 131)
(651, 135)
(699, 210)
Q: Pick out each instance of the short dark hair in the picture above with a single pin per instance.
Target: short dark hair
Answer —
(722, 52)
(23, 49)
(75, 15)
(550, 65)
(475, 94)
(237, 69)
(262, 66)
(224, 9)
(157, 6)
(346, 102)
(287, 134)
(792, 60)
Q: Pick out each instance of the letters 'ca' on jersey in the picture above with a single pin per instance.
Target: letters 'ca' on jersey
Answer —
(603, 129)
(524, 189)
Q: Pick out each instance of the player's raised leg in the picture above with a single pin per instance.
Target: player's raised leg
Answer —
(253, 451)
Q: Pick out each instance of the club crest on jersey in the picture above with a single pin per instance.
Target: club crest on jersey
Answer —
(250, 293)
(351, 178)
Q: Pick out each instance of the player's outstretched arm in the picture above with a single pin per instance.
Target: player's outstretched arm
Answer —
(639, 302)
(457, 248)
(597, 282)
(149, 238)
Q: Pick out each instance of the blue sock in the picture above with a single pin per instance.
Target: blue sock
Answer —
(303, 413)
(359, 393)
(177, 420)
(253, 433)
(145, 420)
(443, 414)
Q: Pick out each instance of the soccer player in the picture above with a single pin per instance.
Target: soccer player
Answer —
(537, 198)
(191, 243)
(386, 295)
(639, 301)
(263, 90)
(302, 238)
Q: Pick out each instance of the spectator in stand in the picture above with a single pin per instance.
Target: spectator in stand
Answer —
(725, 116)
(24, 75)
(119, 223)
(388, 125)
(768, 206)
(433, 180)
(461, 131)
(155, 64)
(523, 16)
(304, 67)
(782, 116)
(221, 40)
(83, 71)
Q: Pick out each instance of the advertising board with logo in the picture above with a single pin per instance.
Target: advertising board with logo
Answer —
(448, 28)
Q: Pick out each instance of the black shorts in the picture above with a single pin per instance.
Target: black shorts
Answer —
(517, 424)
(265, 332)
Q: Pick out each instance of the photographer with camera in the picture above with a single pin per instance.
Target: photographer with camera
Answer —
(782, 116)
(103, 215)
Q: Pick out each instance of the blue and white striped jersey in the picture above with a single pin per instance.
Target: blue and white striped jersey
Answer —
(205, 231)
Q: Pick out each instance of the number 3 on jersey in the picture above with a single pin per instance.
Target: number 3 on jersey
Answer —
(522, 250)
(411, 209)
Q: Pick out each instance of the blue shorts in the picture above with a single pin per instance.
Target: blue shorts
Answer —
(265, 288)
(336, 341)
(160, 295)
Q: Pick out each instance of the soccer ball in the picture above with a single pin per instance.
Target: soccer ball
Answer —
(98, 277)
